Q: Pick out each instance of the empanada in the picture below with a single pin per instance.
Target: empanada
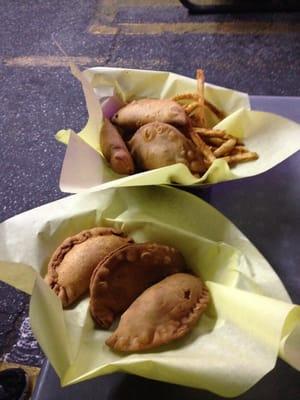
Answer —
(141, 112)
(158, 144)
(71, 266)
(114, 149)
(164, 312)
(125, 274)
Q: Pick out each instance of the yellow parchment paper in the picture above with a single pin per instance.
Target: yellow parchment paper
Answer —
(250, 321)
(273, 137)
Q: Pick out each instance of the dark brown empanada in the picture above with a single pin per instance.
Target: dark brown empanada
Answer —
(125, 274)
(164, 312)
(141, 112)
(71, 266)
(158, 144)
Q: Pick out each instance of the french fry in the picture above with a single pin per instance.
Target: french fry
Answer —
(218, 113)
(190, 108)
(239, 149)
(200, 90)
(213, 141)
(185, 97)
(212, 132)
(241, 157)
(203, 147)
(225, 148)
(218, 133)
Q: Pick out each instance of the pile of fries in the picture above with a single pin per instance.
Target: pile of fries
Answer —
(212, 143)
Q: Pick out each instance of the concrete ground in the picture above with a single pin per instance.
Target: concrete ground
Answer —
(259, 54)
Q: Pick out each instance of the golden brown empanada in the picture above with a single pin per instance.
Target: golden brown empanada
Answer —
(114, 149)
(164, 312)
(71, 266)
(125, 274)
(141, 112)
(158, 144)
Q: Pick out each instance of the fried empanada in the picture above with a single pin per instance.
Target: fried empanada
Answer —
(158, 144)
(141, 112)
(125, 274)
(71, 266)
(164, 312)
(114, 149)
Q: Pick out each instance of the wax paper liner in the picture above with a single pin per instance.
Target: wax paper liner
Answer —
(250, 321)
(274, 138)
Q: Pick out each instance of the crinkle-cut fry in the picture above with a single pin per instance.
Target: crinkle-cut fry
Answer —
(203, 147)
(218, 113)
(200, 90)
(225, 148)
(242, 157)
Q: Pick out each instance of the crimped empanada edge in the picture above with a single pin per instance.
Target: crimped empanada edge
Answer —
(69, 243)
(114, 261)
(187, 322)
